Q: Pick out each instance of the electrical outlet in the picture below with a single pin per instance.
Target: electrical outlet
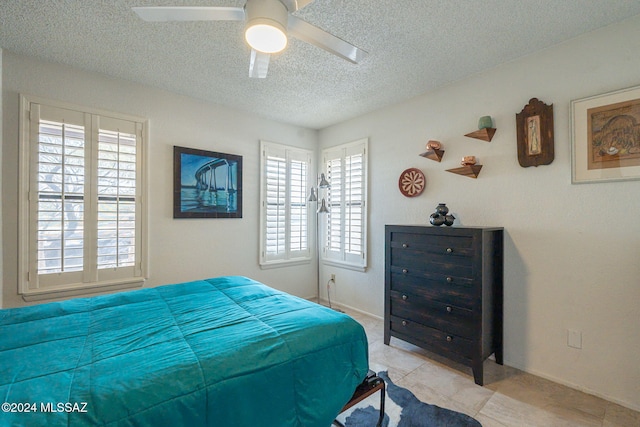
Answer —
(574, 338)
(333, 278)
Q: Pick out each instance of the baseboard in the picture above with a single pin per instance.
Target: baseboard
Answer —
(350, 308)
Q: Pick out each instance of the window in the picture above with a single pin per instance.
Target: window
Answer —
(81, 211)
(285, 214)
(345, 227)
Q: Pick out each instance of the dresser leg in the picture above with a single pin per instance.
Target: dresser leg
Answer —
(387, 336)
(499, 356)
(478, 372)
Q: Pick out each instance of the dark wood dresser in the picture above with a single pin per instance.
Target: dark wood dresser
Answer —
(443, 291)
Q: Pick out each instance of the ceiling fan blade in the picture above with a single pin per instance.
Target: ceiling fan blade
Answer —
(189, 13)
(293, 5)
(259, 64)
(311, 34)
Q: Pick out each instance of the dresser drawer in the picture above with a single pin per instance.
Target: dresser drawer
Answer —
(443, 245)
(450, 275)
(445, 317)
(460, 292)
(435, 339)
(434, 263)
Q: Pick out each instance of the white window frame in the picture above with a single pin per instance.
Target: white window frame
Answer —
(342, 257)
(91, 279)
(288, 256)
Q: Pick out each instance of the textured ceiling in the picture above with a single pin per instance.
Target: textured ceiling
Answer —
(415, 46)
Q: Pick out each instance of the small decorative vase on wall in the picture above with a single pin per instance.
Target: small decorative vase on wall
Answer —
(441, 216)
(485, 122)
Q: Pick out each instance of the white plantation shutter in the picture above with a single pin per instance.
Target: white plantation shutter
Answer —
(345, 224)
(61, 197)
(276, 180)
(335, 176)
(299, 182)
(284, 209)
(116, 199)
(81, 186)
(354, 201)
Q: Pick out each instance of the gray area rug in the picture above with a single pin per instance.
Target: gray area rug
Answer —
(403, 409)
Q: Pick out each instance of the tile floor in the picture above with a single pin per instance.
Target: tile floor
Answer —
(510, 397)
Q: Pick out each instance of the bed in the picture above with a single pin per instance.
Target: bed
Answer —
(226, 351)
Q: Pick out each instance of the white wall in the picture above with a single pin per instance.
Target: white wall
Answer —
(180, 249)
(571, 250)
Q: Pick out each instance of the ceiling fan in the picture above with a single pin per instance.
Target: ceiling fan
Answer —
(268, 22)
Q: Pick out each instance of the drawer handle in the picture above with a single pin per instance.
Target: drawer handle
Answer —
(449, 309)
(449, 279)
(404, 245)
(405, 271)
(404, 323)
(449, 250)
(404, 297)
(449, 338)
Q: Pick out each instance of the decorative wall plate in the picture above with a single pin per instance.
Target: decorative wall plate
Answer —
(411, 182)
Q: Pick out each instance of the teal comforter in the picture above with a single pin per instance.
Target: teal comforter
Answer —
(223, 352)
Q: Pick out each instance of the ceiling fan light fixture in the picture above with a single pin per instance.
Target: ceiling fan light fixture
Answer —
(265, 35)
(266, 29)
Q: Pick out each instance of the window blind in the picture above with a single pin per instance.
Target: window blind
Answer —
(345, 225)
(353, 204)
(61, 197)
(116, 199)
(81, 220)
(276, 180)
(299, 216)
(285, 212)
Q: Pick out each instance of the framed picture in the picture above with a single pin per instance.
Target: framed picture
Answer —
(534, 126)
(206, 184)
(605, 138)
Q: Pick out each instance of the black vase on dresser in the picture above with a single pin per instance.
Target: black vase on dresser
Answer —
(443, 291)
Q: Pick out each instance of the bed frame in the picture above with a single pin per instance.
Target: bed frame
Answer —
(371, 384)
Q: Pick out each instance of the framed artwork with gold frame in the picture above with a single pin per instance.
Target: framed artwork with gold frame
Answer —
(605, 139)
(534, 126)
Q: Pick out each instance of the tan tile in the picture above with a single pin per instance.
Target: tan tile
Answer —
(488, 421)
(583, 402)
(402, 361)
(513, 412)
(494, 373)
(448, 386)
(619, 416)
(545, 393)
(394, 374)
(374, 328)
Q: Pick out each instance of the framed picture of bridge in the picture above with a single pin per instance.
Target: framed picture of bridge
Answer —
(206, 184)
